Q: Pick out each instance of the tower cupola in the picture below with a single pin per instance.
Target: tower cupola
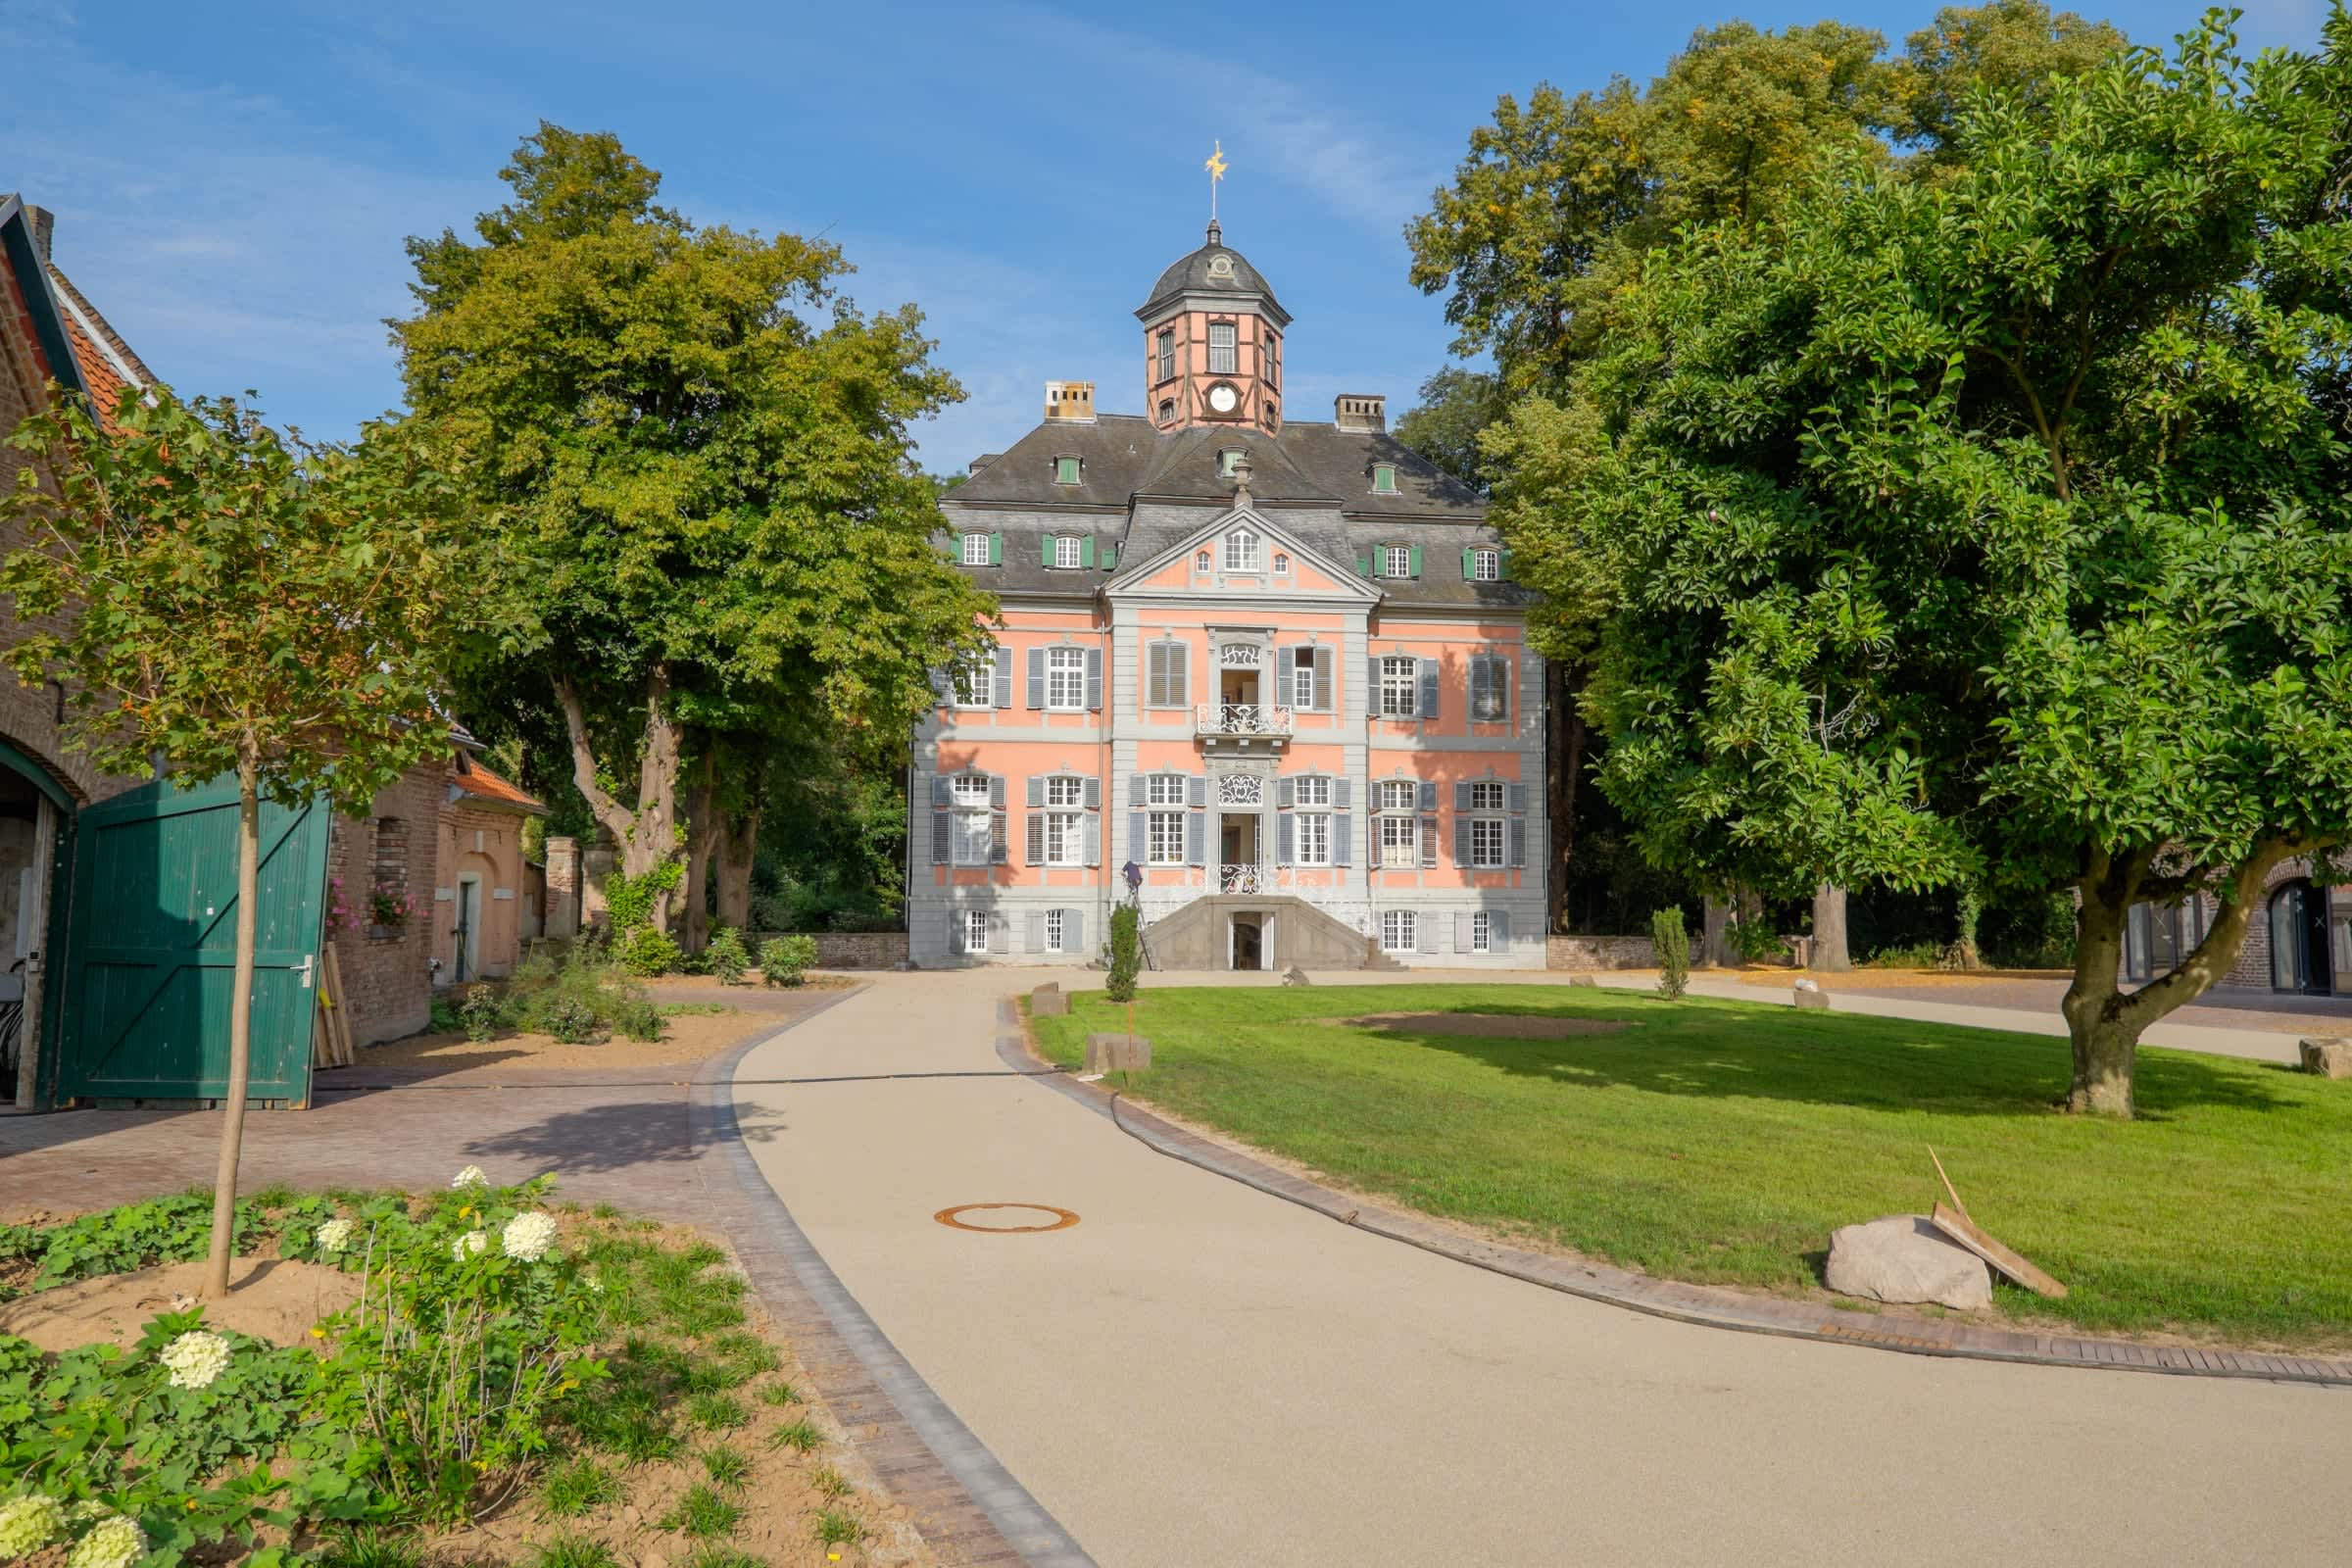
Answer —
(1212, 342)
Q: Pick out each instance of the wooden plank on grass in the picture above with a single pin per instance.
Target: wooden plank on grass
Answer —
(338, 1010)
(1960, 1228)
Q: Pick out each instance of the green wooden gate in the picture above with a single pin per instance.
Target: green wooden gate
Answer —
(150, 965)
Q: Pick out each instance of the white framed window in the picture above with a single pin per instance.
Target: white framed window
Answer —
(1066, 791)
(1482, 932)
(975, 836)
(1400, 795)
(970, 791)
(1488, 795)
(1054, 932)
(975, 930)
(1486, 565)
(975, 680)
(975, 549)
(1166, 344)
(1166, 839)
(1396, 560)
(1302, 675)
(1202, 562)
(1223, 345)
(1164, 788)
(1067, 470)
(1486, 843)
(1311, 836)
(1397, 931)
(1384, 482)
(1066, 549)
(1400, 688)
(1490, 689)
(1064, 832)
(1312, 790)
(1066, 680)
(1167, 408)
(1282, 563)
(1240, 551)
(1399, 841)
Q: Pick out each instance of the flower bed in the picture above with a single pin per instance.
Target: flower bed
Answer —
(512, 1383)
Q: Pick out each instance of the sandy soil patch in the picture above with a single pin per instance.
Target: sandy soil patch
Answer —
(273, 1298)
(685, 1038)
(1481, 1025)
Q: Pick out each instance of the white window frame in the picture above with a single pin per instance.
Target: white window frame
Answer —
(975, 930)
(1311, 838)
(1312, 791)
(1489, 795)
(1397, 931)
(1486, 565)
(1204, 561)
(1163, 346)
(1053, 931)
(1281, 564)
(1242, 551)
(1167, 789)
(1399, 841)
(1066, 820)
(1383, 471)
(1399, 683)
(1225, 359)
(969, 790)
(975, 549)
(1303, 677)
(1065, 791)
(1498, 708)
(1164, 839)
(1396, 560)
(1481, 931)
(1489, 844)
(974, 680)
(1066, 680)
(1065, 552)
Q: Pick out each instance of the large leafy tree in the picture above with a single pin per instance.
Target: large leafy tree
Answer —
(703, 452)
(2026, 489)
(236, 601)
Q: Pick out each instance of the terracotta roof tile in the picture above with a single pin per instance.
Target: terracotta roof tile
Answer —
(475, 781)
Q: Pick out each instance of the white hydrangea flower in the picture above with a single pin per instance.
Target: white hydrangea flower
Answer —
(337, 1235)
(471, 1176)
(116, 1541)
(474, 1244)
(528, 1236)
(196, 1359)
(29, 1523)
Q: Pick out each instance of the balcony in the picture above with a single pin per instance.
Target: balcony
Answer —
(1254, 879)
(1244, 723)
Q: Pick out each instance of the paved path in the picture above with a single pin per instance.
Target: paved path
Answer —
(1199, 1373)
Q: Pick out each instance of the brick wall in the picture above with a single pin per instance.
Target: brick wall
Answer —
(387, 978)
(1598, 953)
(861, 950)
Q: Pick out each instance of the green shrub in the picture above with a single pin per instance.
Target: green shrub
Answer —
(646, 950)
(580, 996)
(1754, 940)
(629, 900)
(481, 1014)
(726, 956)
(445, 1019)
(1908, 956)
(1126, 953)
(785, 961)
(1671, 941)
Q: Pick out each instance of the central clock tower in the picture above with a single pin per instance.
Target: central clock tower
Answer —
(1213, 343)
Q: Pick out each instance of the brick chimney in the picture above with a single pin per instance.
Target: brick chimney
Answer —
(1357, 410)
(43, 224)
(1070, 402)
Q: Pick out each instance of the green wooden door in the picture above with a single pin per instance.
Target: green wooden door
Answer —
(151, 958)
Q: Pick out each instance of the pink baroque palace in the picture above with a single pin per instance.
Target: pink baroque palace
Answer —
(1278, 666)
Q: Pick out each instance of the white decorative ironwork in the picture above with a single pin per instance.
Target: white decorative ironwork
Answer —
(1241, 718)
(1240, 656)
(1240, 789)
(1239, 878)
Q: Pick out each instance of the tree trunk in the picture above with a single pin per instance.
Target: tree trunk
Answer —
(646, 836)
(1828, 930)
(1714, 935)
(1566, 750)
(701, 836)
(240, 1030)
(738, 839)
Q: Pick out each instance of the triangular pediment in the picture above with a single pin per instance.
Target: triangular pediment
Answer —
(1316, 576)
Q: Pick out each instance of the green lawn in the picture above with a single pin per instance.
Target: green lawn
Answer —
(1722, 1141)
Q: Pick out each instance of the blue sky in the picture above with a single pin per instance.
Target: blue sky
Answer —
(233, 183)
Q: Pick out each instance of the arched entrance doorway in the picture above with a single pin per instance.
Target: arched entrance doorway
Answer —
(2299, 930)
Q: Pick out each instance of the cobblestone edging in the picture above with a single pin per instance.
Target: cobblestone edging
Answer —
(967, 1505)
(1697, 1305)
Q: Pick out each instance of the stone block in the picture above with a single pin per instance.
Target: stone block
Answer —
(1582, 980)
(2330, 1056)
(1905, 1259)
(1809, 994)
(1114, 1053)
(1048, 1002)
(1297, 977)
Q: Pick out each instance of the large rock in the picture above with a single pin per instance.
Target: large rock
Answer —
(1119, 1053)
(1905, 1259)
(1048, 1001)
(2329, 1057)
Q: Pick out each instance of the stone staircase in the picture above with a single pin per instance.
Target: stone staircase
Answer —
(1304, 936)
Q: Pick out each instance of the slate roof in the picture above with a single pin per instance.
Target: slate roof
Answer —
(1201, 273)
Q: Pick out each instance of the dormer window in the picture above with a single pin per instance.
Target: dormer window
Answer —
(1240, 551)
(976, 549)
(1396, 560)
(1067, 549)
(1224, 356)
(1486, 565)
(1384, 478)
(1065, 470)
(1227, 459)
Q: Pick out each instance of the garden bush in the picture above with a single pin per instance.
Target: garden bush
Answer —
(1907, 956)
(1672, 939)
(481, 1013)
(726, 956)
(1126, 953)
(579, 995)
(785, 961)
(645, 951)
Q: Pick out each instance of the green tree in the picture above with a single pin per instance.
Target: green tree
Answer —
(1456, 408)
(2026, 488)
(703, 452)
(234, 600)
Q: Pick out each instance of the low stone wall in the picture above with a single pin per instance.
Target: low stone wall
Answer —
(1598, 953)
(861, 950)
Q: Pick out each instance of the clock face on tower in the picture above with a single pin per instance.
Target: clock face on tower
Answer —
(1224, 398)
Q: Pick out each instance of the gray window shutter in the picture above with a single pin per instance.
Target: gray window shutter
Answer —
(943, 686)
(997, 847)
(1036, 923)
(1461, 797)
(1037, 678)
(1516, 795)
(1461, 927)
(1180, 675)
(1073, 931)
(1498, 931)
(1037, 790)
(997, 934)
(1093, 678)
(1139, 844)
(1322, 680)
(1501, 679)
(1197, 790)
(1285, 791)
(1195, 837)
(1518, 834)
(1482, 676)
(1156, 675)
(1425, 931)
(1428, 794)
(1343, 832)
(1286, 676)
(1136, 787)
(1428, 706)
(1003, 691)
(956, 932)
(1036, 836)
(996, 792)
(1342, 792)
(942, 836)
(1372, 685)
(1461, 841)
(1282, 840)
(1429, 841)
(1093, 839)
(1094, 793)
(939, 791)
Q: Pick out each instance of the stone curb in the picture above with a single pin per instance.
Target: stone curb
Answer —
(967, 1505)
(1697, 1305)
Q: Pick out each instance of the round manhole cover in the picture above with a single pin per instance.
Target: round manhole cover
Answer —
(1007, 1218)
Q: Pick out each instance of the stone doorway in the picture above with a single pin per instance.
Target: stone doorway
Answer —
(1248, 942)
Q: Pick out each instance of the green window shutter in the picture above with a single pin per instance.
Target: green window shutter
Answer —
(995, 549)
(1363, 566)
(1469, 570)
(1416, 571)
(1086, 551)
(1044, 551)
(1502, 565)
